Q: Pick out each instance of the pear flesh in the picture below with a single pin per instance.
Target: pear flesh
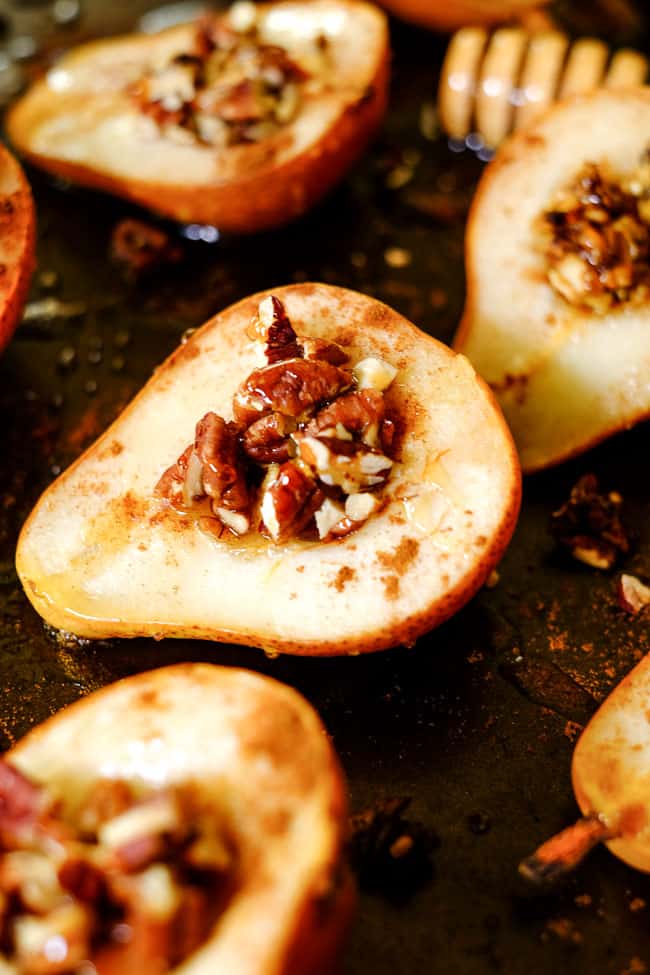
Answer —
(566, 378)
(257, 758)
(102, 556)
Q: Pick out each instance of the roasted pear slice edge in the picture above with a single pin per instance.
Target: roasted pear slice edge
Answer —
(17, 245)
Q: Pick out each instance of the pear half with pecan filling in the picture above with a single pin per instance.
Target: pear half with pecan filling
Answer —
(351, 483)
(243, 119)
(557, 318)
(17, 230)
(190, 819)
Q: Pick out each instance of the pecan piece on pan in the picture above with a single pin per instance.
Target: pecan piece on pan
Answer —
(140, 247)
(267, 440)
(293, 387)
(290, 496)
(589, 525)
(360, 412)
(633, 595)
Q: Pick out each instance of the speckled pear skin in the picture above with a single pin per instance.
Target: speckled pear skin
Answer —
(17, 243)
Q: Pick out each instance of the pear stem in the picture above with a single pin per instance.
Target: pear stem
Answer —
(563, 852)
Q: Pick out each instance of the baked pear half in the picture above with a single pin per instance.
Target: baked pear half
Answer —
(309, 474)
(610, 768)
(190, 819)
(243, 119)
(557, 317)
(17, 233)
(610, 781)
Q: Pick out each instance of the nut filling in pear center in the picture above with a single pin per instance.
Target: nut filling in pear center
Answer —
(309, 450)
(596, 239)
(231, 87)
(133, 881)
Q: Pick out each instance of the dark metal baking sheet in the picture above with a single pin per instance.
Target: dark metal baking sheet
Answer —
(477, 722)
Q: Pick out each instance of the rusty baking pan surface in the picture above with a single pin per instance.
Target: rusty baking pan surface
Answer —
(477, 722)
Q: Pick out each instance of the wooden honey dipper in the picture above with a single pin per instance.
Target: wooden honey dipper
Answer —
(495, 83)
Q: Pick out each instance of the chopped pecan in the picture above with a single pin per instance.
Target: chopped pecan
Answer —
(267, 440)
(108, 799)
(293, 387)
(140, 247)
(329, 515)
(360, 412)
(242, 103)
(274, 328)
(387, 434)
(166, 95)
(82, 878)
(140, 834)
(343, 463)
(323, 351)
(167, 921)
(589, 525)
(359, 507)
(633, 595)
(276, 67)
(69, 926)
(224, 478)
(147, 865)
(213, 34)
(336, 520)
(31, 878)
(27, 812)
(171, 483)
(229, 89)
(374, 373)
(20, 804)
(293, 406)
(289, 499)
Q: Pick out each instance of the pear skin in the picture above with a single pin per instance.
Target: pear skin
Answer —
(258, 757)
(80, 122)
(102, 555)
(565, 378)
(445, 16)
(17, 237)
